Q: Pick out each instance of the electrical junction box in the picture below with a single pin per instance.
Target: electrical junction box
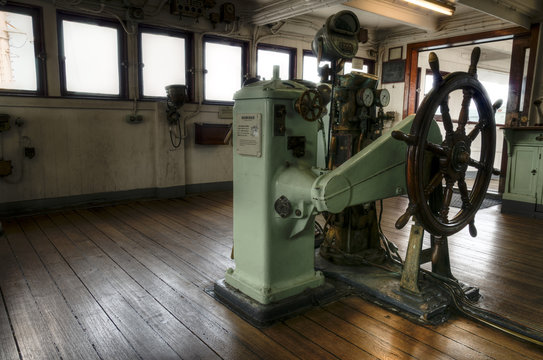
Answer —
(4, 122)
(5, 167)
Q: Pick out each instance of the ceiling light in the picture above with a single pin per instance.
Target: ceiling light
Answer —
(439, 7)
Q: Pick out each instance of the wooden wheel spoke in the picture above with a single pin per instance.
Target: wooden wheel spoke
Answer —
(475, 132)
(464, 112)
(437, 149)
(447, 201)
(464, 194)
(436, 180)
(476, 164)
(446, 118)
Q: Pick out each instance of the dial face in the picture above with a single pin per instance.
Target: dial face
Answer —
(384, 97)
(367, 97)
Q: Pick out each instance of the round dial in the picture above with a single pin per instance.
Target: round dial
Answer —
(383, 97)
(365, 97)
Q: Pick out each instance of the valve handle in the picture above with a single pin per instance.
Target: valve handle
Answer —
(310, 105)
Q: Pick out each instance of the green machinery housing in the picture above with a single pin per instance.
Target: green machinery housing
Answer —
(279, 189)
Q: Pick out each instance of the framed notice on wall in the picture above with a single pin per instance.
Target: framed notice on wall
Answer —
(393, 71)
(395, 53)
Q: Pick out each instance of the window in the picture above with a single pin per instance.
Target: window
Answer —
(225, 64)
(360, 65)
(91, 56)
(348, 67)
(157, 70)
(22, 68)
(310, 68)
(269, 55)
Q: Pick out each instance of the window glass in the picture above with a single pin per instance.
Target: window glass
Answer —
(223, 63)
(91, 54)
(266, 59)
(310, 70)
(348, 67)
(17, 52)
(159, 70)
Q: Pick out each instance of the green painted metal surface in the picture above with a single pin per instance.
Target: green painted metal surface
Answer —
(377, 172)
(274, 254)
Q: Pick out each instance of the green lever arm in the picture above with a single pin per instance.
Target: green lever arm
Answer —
(377, 172)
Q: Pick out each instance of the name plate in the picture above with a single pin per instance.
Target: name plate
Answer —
(249, 134)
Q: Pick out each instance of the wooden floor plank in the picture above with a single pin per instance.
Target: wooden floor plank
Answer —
(189, 271)
(170, 329)
(211, 205)
(188, 236)
(210, 308)
(192, 222)
(101, 282)
(528, 350)
(374, 345)
(29, 326)
(101, 330)
(299, 345)
(157, 282)
(133, 276)
(172, 241)
(428, 335)
(218, 222)
(8, 343)
(331, 342)
(66, 331)
(388, 334)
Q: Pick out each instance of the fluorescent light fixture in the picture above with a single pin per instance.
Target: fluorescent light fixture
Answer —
(434, 5)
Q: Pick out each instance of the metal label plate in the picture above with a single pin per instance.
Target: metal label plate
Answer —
(249, 134)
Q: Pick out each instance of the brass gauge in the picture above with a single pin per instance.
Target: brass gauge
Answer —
(365, 97)
(383, 97)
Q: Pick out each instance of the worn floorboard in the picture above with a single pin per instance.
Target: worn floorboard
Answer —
(128, 281)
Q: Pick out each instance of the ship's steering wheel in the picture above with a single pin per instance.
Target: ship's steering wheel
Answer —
(430, 191)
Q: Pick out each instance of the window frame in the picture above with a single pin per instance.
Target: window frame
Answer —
(122, 50)
(39, 49)
(292, 52)
(244, 63)
(189, 58)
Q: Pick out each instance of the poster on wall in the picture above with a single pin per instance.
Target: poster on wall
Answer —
(393, 71)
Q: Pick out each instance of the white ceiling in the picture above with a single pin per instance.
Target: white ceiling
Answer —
(390, 14)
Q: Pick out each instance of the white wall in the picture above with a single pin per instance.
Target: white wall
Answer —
(86, 146)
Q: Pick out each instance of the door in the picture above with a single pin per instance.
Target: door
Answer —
(520, 87)
(524, 171)
(539, 185)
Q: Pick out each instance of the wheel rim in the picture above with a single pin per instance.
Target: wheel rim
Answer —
(454, 155)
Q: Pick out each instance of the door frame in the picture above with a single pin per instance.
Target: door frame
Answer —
(529, 39)
(413, 49)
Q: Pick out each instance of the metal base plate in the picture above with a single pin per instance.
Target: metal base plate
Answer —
(261, 315)
(383, 287)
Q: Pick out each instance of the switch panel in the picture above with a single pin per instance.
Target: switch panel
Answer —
(5, 167)
(4, 122)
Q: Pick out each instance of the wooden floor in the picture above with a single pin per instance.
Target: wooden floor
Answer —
(127, 282)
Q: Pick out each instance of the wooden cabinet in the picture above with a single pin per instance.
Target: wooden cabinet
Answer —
(524, 180)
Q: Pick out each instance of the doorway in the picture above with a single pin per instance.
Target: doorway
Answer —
(505, 69)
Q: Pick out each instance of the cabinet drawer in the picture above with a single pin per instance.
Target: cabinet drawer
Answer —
(529, 137)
